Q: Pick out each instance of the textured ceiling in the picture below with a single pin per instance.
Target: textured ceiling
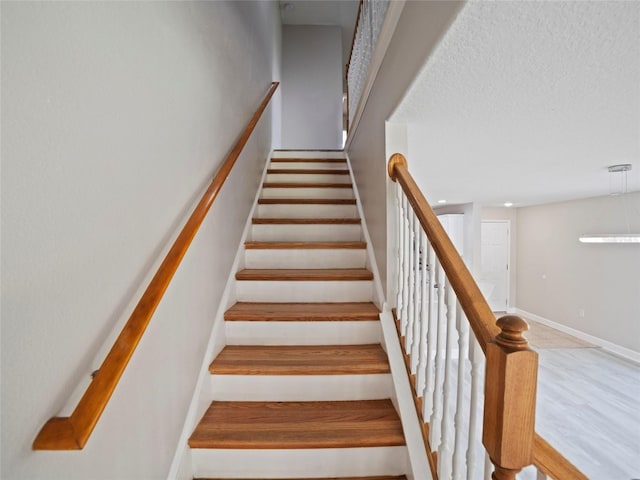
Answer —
(340, 13)
(528, 102)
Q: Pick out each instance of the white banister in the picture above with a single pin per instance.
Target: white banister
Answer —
(477, 376)
(400, 244)
(427, 401)
(408, 339)
(405, 261)
(459, 449)
(540, 475)
(417, 314)
(435, 432)
(445, 465)
(488, 467)
(424, 312)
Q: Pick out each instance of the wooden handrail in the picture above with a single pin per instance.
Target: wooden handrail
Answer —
(551, 462)
(72, 433)
(481, 318)
(475, 307)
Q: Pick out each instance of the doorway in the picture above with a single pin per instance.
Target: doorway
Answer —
(494, 275)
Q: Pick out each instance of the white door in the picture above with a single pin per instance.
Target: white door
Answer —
(494, 277)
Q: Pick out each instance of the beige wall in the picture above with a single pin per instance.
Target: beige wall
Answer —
(558, 277)
(114, 117)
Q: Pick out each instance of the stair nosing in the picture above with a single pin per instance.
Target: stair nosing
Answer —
(279, 360)
(305, 185)
(304, 274)
(306, 201)
(305, 245)
(302, 312)
(302, 171)
(306, 221)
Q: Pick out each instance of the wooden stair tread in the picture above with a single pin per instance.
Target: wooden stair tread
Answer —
(302, 274)
(295, 425)
(300, 360)
(302, 312)
(305, 185)
(309, 160)
(305, 221)
(296, 171)
(304, 245)
(307, 201)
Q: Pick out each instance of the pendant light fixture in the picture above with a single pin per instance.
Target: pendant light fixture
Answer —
(617, 186)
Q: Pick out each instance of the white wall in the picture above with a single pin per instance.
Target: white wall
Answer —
(558, 276)
(114, 117)
(311, 87)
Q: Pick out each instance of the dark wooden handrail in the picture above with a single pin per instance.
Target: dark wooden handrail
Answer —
(72, 433)
(480, 316)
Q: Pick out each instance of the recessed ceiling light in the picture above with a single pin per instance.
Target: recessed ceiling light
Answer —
(442, 201)
(508, 204)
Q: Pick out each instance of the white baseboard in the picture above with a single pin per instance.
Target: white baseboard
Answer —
(606, 345)
(404, 401)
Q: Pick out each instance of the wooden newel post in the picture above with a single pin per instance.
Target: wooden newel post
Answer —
(510, 399)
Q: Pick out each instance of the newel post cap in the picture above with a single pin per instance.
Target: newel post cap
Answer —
(510, 336)
(395, 159)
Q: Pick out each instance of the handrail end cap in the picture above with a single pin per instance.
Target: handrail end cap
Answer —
(395, 159)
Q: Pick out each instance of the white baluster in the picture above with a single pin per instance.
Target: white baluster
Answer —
(488, 467)
(405, 261)
(424, 316)
(432, 331)
(415, 345)
(400, 245)
(463, 354)
(408, 339)
(445, 457)
(475, 408)
(435, 432)
(540, 475)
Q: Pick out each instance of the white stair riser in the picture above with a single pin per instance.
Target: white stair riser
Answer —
(307, 154)
(310, 165)
(306, 233)
(300, 463)
(300, 388)
(322, 192)
(305, 258)
(304, 291)
(308, 178)
(306, 211)
(348, 332)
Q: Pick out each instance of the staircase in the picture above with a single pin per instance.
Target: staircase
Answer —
(302, 388)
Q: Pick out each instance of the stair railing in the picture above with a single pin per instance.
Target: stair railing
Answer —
(437, 301)
(369, 20)
(72, 433)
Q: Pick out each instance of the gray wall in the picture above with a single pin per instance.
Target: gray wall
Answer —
(558, 276)
(311, 87)
(114, 117)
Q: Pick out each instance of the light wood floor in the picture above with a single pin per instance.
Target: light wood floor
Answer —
(588, 405)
